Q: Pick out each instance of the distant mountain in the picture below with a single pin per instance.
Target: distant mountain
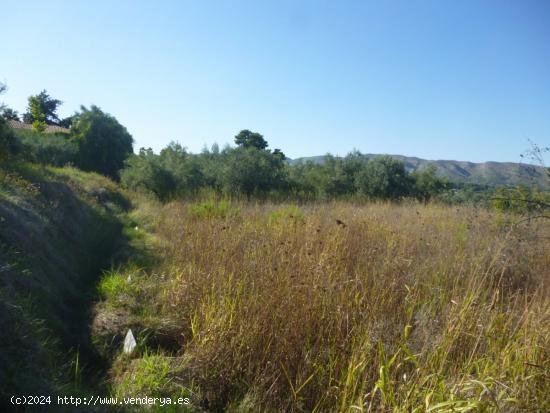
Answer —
(486, 173)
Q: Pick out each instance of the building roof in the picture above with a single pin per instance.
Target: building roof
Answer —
(15, 124)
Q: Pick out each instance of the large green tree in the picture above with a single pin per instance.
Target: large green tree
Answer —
(42, 111)
(248, 139)
(249, 171)
(384, 178)
(103, 142)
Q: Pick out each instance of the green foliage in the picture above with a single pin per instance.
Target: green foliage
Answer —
(153, 375)
(520, 199)
(13, 182)
(54, 237)
(384, 178)
(249, 171)
(67, 122)
(8, 143)
(176, 173)
(248, 139)
(523, 199)
(103, 142)
(46, 148)
(9, 114)
(427, 184)
(211, 209)
(184, 169)
(42, 110)
(39, 125)
(172, 173)
(335, 177)
(115, 283)
(290, 214)
(144, 172)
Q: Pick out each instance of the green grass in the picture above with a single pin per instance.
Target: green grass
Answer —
(211, 209)
(114, 284)
(153, 375)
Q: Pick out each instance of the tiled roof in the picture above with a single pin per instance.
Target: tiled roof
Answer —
(49, 128)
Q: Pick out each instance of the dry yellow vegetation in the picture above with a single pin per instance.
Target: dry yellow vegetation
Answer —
(347, 308)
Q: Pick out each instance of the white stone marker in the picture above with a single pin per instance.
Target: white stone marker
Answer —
(129, 342)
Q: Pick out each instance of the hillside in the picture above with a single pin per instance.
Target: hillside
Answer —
(58, 229)
(485, 173)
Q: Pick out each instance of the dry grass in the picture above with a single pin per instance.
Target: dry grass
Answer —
(356, 308)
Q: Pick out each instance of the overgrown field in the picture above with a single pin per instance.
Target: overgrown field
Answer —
(334, 307)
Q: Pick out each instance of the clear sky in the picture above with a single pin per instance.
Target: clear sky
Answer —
(466, 80)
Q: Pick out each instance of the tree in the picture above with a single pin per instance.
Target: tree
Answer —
(66, 122)
(8, 144)
(42, 110)
(144, 172)
(248, 139)
(427, 184)
(384, 178)
(103, 142)
(183, 167)
(249, 170)
(9, 114)
(279, 153)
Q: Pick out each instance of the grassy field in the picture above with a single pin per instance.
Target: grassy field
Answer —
(333, 308)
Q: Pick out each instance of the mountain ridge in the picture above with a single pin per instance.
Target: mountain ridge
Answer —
(489, 173)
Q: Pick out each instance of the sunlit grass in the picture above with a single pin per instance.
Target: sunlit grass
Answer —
(350, 308)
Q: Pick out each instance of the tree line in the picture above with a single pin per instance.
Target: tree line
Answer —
(97, 142)
(251, 169)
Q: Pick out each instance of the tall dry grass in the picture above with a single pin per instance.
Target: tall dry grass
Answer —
(349, 308)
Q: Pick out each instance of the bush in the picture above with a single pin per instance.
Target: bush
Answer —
(384, 178)
(183, 168)
(46, 149)
(427, 185)
(8, 143)
(145, 173)
(103, 142)
(211, 209)
(249, 171)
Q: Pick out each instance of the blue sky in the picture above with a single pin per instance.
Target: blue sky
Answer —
(467, 80)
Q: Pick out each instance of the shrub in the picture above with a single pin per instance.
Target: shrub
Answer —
(426, 183)
(211, 209)
(46, 149)
(249, 171)
(144, 172)
(103, 143)
(384, 178)
(8, 143)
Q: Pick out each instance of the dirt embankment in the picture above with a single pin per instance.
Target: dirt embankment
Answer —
(58, 230)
